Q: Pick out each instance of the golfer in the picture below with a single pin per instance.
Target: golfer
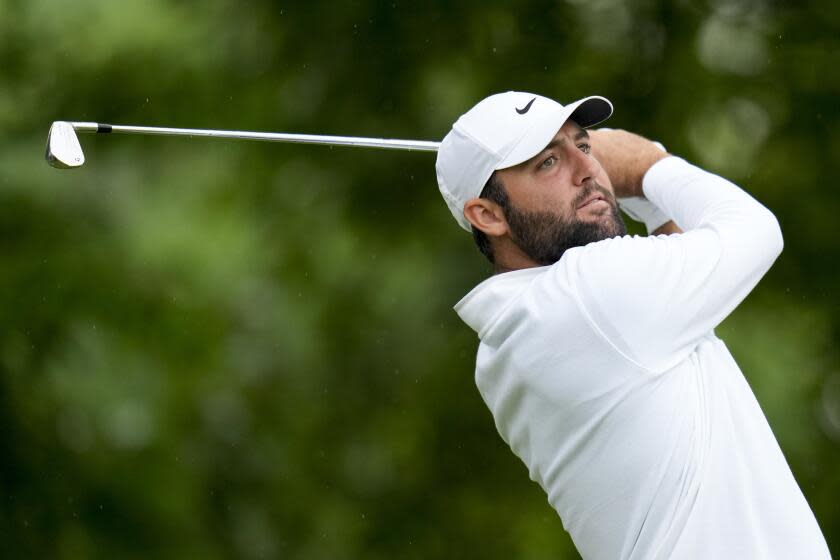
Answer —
(597, 354)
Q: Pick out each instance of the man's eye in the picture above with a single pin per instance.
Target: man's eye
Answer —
(548, 162)
(585, 148)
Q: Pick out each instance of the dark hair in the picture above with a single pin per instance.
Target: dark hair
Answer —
(493, 190)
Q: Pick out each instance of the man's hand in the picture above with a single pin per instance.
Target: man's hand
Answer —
(625, 157)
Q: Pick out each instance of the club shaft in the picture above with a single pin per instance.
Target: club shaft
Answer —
(421, 145)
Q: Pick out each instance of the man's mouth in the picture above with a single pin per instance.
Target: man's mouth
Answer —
(594, 198)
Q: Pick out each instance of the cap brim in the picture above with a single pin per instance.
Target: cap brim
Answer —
(591, 111)
(586, 112)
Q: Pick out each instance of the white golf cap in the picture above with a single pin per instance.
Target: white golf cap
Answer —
(501, 131)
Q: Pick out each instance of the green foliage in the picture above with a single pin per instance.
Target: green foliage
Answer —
(221, 349)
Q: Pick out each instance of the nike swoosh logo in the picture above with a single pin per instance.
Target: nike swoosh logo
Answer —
(526, 108)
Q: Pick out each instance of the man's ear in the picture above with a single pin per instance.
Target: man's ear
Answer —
(486, 215)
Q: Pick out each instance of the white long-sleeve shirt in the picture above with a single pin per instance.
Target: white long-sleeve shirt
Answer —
(604, 375)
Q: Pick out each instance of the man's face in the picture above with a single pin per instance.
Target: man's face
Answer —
(560, 198)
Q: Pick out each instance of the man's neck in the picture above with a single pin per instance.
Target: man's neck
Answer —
(510, 258)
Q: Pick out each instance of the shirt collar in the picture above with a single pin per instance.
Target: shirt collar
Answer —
(482, 304)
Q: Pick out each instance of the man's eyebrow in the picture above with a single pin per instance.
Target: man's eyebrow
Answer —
(553, 144)
(557, 141)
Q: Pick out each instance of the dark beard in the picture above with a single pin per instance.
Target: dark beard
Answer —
(545, 236)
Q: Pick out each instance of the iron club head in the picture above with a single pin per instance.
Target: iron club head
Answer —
(63, 148)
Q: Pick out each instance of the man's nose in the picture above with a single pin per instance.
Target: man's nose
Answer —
(586, 167)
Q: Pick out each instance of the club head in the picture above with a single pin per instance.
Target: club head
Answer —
(63, 148)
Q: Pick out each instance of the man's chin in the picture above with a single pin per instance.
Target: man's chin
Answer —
(605, 226)
(615, 229)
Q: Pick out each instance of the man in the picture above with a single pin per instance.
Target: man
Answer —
(597, 353)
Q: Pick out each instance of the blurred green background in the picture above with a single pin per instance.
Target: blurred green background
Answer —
(223, 349)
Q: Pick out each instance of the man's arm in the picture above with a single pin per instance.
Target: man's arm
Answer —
(667, 228)
(626, 158)
(655, 297)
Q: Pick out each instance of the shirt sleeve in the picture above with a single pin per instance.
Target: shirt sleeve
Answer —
(655, 297)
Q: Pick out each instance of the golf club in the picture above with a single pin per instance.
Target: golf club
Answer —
(65, 152)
